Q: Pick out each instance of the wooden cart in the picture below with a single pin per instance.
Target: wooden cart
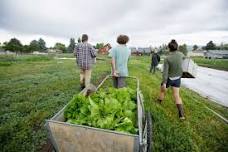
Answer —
(67, 137)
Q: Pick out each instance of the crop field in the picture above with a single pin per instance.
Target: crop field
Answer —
(220, 64)
(34, 88)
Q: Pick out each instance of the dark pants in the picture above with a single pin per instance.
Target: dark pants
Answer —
(153, 67)
(173, 83)
(119, 82)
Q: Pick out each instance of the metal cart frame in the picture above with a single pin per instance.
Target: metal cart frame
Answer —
(71, 137)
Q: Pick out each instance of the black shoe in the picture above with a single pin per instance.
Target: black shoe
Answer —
(82, 87)
(159, 101)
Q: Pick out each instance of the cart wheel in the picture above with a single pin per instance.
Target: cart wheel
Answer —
(149, 131)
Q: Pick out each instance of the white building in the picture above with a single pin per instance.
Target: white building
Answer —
(197, 52)
(216, 54)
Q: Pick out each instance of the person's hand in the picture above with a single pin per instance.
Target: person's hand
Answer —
(115, 73)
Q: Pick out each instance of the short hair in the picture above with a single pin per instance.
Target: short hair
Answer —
(173, 46)
(122, 39)
(84, 37)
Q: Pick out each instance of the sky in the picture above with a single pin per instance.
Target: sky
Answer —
(146, 22)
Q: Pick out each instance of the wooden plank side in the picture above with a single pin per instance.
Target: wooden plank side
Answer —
(79, 139)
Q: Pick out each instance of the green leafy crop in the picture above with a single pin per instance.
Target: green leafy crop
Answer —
(113, 109)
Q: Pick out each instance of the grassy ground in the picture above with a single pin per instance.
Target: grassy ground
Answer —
(201, 131)
(220, 64)
(33, 88)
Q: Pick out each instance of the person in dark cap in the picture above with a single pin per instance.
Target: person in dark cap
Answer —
(155, 59)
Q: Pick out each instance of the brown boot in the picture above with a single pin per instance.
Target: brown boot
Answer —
(180, 111)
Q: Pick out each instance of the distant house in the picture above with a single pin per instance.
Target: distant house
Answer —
(198, 52)
(145, 50)
(216, 54)
(39, 53)
(54, 51)
(2, 51)
(140, 51)
(133, 49)
(6, 52)
(104, 49)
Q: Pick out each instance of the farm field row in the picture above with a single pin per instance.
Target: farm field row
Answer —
(220, 64)
(34, 88)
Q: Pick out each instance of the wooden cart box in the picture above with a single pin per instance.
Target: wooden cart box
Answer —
(77, 138)
(67, 137)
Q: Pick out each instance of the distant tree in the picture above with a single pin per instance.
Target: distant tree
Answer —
(195, 47)
(210, 46)
(183, 49)
(71, 46)
(162, 49)
(99, 45)
(222, 46)
(60, 46)
(1, 46)
(34, 46)
(225, 46)
(4, 45)
(13, 45)
(26, 49)
(79, 40)
(42, 45)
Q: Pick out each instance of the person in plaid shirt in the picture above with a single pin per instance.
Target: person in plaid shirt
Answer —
(85, 58)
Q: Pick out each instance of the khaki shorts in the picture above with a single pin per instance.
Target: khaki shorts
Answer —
(85, 76)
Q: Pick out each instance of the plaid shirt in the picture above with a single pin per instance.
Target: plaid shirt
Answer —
(85, 55)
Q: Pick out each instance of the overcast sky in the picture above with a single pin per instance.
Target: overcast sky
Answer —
(147, 22)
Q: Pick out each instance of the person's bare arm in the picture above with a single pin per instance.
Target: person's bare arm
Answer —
(165, 72)
(113, 63)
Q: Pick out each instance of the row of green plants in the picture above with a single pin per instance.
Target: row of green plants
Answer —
(220, 64)
(113, 109)
(33, 91)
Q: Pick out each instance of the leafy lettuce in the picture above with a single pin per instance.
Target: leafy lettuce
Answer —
(113, 109)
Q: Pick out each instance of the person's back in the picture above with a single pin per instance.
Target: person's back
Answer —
(172, 72)
(121, 54)
(85, 54)
(174, 60)
(155, 59)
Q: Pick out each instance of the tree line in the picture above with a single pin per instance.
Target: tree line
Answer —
(212, 46)
(183, 48)
(15, 45)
